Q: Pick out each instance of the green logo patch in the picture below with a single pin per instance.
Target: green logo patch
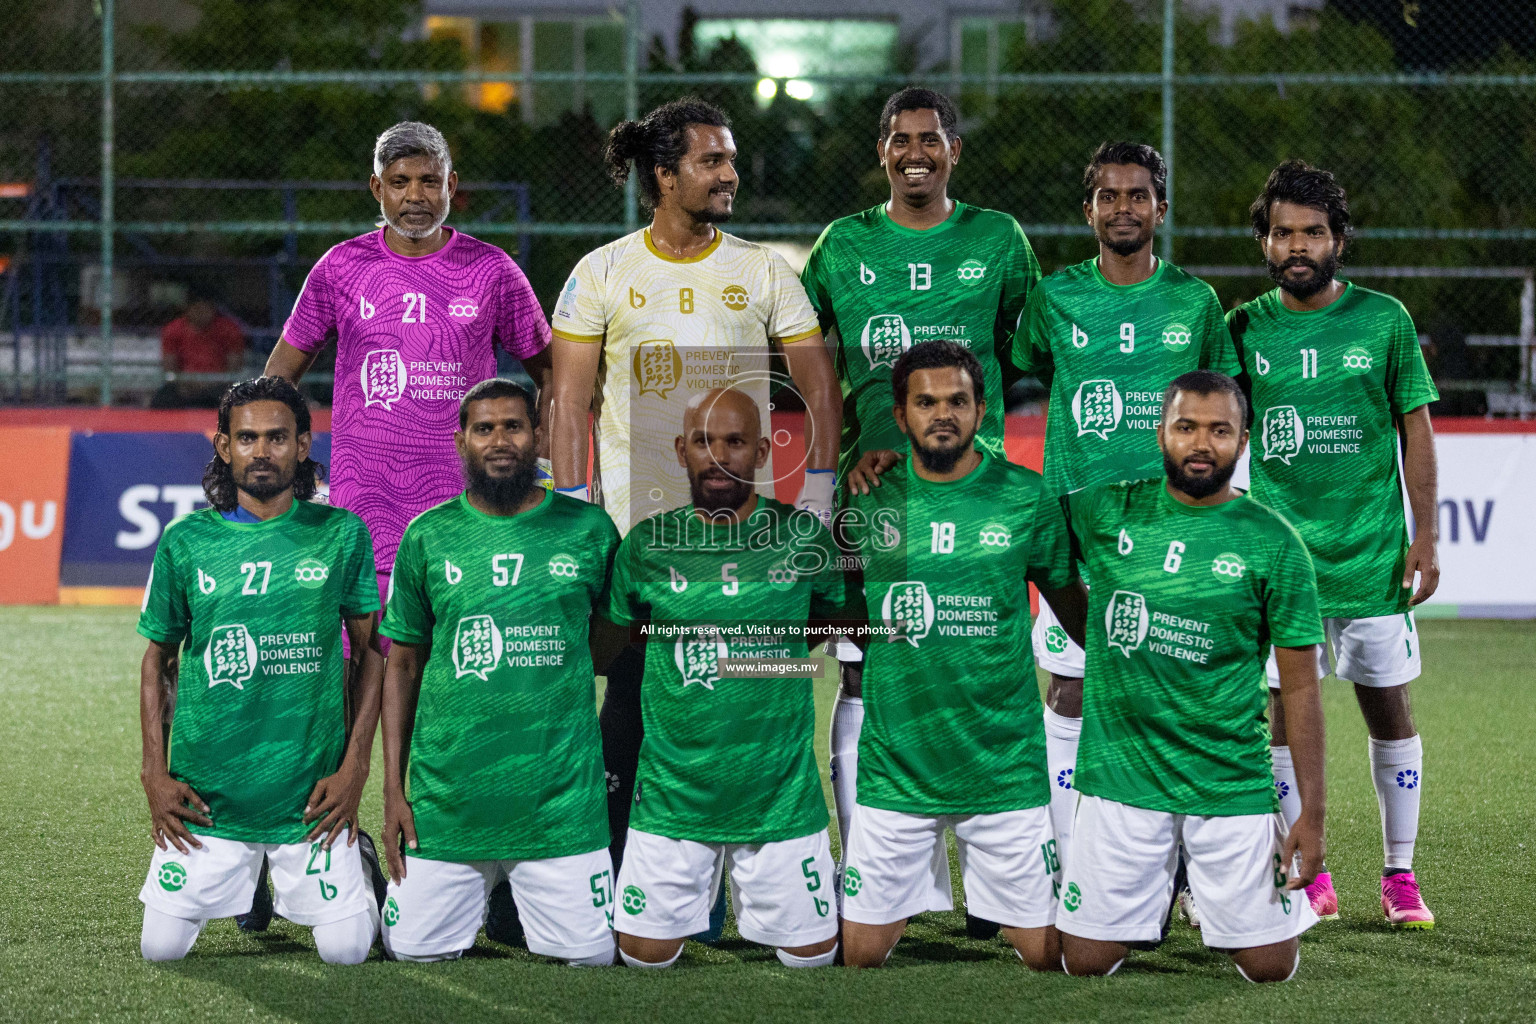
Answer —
(172, 877)
(311, 573)
(1056, 639)
(1357, 360)
(634, 899)
(1073, 899)
(391, 912)
(852, 882)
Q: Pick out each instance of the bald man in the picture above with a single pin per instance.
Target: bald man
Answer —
(723, 594)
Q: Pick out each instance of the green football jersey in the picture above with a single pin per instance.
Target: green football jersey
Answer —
(1185, 604)
(505, 760)
(1106, 353)
(1328, 388)
(885, 288)
(260, 696)
(951, 711)
(726, 759)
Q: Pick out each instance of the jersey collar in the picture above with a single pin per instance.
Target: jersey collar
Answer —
(708, 249)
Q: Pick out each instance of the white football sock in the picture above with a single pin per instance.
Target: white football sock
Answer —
(632, 962)
(165, 937)
(1285, 784)
(1061, 735)
(347, 941)
(820, 960)
(847, 721)
(1397, 769)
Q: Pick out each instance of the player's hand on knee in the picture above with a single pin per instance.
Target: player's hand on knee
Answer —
(399, 827)
(171, 801)
(1305, 838)
(867, 473)
(334, 802)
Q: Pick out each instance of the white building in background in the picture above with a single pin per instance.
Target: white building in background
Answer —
(787, 38)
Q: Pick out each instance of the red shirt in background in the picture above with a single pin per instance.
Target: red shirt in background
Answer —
(206, 351)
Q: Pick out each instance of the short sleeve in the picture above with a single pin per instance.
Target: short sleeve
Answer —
(408, 617)
(1051, 565)
(1020, 276)
(520, 325)
(1216, 349)
(607, 541)
(1408, 382)
(1032, 342)
(624, 605)
(314, 311)
(362, 593)
(817, 281)
(579, 313)
(790, 316)
(164, 616)
(1290, 596)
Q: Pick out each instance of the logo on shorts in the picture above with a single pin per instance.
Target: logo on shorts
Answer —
(477, 646)
(1125, 621)
(383, 378)
(734, 297)
(1229, 566)
(697, 655)
(884, 339)
(908, 605)
(391, 912)
(1176, 337)
(971, 272)
(463, 309)
(852, 882)
(563, 566)
(1056, 639)
(1064, 778)
(657, 367)
(1357, 360)
(996, 537)
(634, 899)
(1408, 779)
(172, 877)
(1282, 434)
(230, 656)
(1073, 898)
(311, 573)
(327, 891)
(1097, 408)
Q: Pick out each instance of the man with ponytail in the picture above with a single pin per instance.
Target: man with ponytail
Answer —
(645, 323)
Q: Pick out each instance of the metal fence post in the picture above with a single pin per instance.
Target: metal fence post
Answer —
(108, 115)
(631, 103)
(1170, 9)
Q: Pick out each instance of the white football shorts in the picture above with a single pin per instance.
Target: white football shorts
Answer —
(897, 866)
(1054, 650)
(1382, 650)
(782, 891)
(564, 903)
(1118, 882)
(312, 886)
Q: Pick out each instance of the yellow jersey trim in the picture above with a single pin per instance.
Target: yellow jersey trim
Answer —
(802, 336)
(711, 247)
(585, 339)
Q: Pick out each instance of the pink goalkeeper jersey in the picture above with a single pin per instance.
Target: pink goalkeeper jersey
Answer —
(413, 334)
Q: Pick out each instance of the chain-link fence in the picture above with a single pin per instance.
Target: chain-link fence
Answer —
(219, 150)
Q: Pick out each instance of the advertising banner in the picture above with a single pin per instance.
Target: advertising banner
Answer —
(34, 463)
(1487, 525)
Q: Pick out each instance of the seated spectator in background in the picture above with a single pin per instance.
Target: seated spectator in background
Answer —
(201, 340)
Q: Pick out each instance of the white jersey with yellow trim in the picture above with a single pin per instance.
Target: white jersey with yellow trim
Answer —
(671, 328)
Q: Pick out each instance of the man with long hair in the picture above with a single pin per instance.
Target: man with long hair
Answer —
(245, 606)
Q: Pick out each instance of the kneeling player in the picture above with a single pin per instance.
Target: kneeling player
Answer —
(953, 735)
(727, 773)
(489, 701)
(1192, 582)
(244, 606)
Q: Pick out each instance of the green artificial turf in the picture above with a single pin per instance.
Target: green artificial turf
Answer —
(76, 847)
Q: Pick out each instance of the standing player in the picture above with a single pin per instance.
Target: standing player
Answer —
(649, 321)
(727, 773)
(954, 737)
(488, 704)
(1338, 382)
(247, 599)
(916, 268)
(1192, 582)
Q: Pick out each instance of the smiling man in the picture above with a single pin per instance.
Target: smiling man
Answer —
(1193, 581)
